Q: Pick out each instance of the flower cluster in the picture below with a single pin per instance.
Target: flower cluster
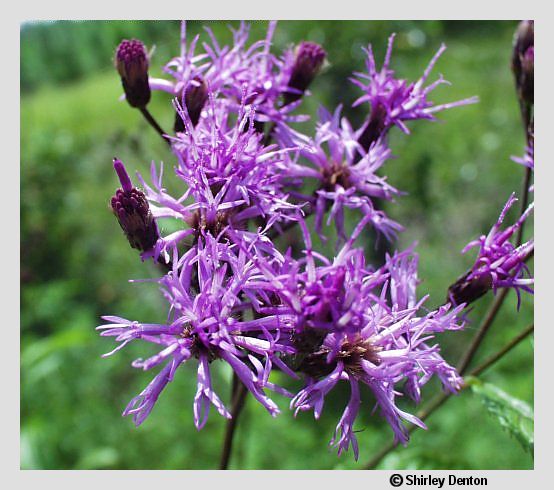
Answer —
(233, 297)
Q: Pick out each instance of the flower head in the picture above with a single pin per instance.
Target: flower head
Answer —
(231, 176)
(131, 61)
(379, 342)
(132, 211)
(499, 263)
(230, 71)
(205, 291)
(361, 325)
(347, 174)
(394, 101)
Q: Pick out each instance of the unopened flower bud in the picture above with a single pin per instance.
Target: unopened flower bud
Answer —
(309, 60)
(132, 211)
(523, 57)
(196, 95)
(131, 61)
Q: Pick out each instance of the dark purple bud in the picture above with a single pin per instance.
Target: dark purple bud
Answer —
(196, 95)
(133, 212)
(523, 60)
(131, 61)
(309, 60)
(466, 290)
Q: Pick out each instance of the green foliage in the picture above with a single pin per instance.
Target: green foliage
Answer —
(75, 262)
(514, 415)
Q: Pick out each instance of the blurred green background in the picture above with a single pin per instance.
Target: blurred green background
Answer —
(75, 262)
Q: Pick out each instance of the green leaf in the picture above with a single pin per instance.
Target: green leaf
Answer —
(514, 415)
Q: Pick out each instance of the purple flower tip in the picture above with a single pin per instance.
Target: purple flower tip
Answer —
(499, 263)
(130, 54)
(123, 175)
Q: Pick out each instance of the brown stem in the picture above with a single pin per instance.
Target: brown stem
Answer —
(150, 119)
(439, 400)
(238, 394)
(502, 352)
(469, 354)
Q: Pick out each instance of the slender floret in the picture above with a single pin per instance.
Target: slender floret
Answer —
(528, 160)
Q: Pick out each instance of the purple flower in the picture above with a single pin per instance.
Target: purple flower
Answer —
(131, 61)
(230, 175)
(499, 263)
(206, 289)
(357, 324)
(232, 297)
(394, 101)
(346, 173)
(133, 213)
(233, 70)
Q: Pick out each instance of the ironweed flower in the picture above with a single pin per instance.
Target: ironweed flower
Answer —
(133, 212)
(499, 263)
(357, 324)
(231, 176)
(346, 173)
(231, 70)
(394, 101)
(131, 61)
(204, 291)
(232, 296)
